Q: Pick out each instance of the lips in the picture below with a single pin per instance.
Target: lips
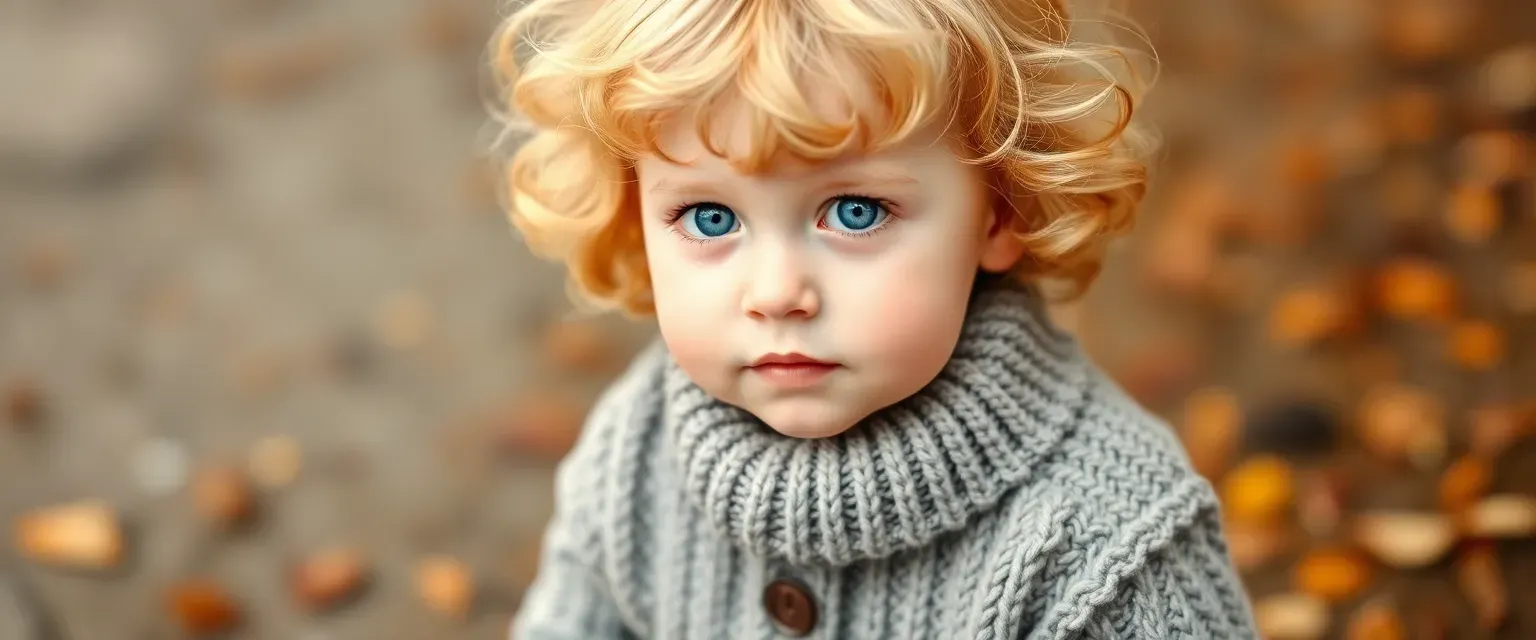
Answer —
(792, 370)
(789, 359)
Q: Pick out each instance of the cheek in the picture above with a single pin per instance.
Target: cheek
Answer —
(912, 321)
(695, 353)
(689, 305)
(691, 330)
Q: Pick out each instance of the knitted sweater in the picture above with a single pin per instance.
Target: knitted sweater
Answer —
(1021, 494)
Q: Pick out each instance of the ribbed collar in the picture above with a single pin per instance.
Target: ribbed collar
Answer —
(903, 476)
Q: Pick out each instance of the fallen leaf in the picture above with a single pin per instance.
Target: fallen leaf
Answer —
(1253, 546)
(1407, 191)
(1259, 491)
(84, 535)
(1489, 158)
(1334, 574)
(445, 585)
(1355, 143)
(1477, 345)
(1306, 316)
(1464, 482)
(1416, 289)
(1503, 516)
(1322, 503)
(202, 608)
(1473, 215)
(1494, 429)
(1302, 162)
(1425, 30)
(1397, 422)
(328, 579)
(1413, 114)
(1291, 616)
(1520, 288)
(1405, 540)
(1478, 575)
(23, 403)
(1376, 620)
(275, 461)
(1509, 78)
(1181, 261)
(1212, 429)
(223, 496)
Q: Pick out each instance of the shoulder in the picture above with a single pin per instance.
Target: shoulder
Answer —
(1126, 468)
(621, 413)
(1117, 494)
(621, 404)
(1123, 467)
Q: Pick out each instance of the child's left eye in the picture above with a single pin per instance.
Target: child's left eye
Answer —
(854, 215)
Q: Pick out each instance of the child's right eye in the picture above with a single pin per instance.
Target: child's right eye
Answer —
(707, 221)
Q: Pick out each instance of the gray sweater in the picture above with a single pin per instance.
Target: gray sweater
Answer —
(1021, 494)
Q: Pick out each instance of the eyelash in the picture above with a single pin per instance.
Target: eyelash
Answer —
(890, 211)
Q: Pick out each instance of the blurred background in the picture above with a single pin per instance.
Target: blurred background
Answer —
(274, 365)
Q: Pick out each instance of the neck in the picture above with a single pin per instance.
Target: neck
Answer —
(904, 475)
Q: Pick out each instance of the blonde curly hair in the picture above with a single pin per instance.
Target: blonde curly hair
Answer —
(591, 81)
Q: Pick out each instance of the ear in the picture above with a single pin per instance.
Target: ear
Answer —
(1000, 248)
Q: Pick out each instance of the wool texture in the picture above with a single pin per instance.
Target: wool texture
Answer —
(1021, 494)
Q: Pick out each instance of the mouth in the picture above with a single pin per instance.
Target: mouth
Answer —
(789, 359)
(792, 369)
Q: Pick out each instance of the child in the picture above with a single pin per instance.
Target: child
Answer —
(858, 422)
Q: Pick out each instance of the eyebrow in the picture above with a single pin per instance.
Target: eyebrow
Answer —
(683, 188)
(852, 179)
(870, 178)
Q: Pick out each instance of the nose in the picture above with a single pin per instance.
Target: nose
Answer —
(780, 287)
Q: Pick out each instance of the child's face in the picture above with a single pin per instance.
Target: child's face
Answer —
(864, 263)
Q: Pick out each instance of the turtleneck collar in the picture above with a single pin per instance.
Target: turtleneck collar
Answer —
(904, 475)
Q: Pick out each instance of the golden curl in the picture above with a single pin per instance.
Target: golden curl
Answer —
(1049, 115)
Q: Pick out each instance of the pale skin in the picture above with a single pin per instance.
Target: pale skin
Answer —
(863, 263)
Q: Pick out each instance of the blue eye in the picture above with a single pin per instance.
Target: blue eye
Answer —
(708, 221)
(854, 214)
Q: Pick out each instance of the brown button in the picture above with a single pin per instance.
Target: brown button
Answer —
(789, 603)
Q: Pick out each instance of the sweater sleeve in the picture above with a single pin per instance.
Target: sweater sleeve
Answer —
(1187, 589)
(569, 597)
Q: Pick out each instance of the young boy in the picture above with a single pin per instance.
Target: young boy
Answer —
(858, 422)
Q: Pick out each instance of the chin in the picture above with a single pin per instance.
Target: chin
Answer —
(805, 422)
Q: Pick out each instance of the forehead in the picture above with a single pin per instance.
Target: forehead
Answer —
(812, 119)
(733, 141)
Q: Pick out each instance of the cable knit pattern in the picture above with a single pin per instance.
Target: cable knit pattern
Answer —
(1021, 494)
